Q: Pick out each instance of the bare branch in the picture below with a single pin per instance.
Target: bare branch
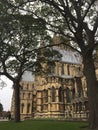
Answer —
(4, 72)
(92, 2)
(95, 25)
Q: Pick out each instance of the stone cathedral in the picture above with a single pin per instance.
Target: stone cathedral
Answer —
(61, 94)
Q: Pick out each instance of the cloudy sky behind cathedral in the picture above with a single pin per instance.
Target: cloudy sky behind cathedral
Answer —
(6, 94)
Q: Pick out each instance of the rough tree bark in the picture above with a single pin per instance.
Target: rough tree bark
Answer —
(17, 101)
(92, 86)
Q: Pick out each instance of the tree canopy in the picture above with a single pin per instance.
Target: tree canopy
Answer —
(19, 42)
(76, 21)
(23, 38)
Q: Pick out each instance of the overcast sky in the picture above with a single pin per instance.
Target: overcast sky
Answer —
(6, 94)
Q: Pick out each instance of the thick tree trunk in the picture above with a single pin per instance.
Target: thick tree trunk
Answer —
(92, 88)
(17, 101)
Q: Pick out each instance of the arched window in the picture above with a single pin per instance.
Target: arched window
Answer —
(68, 69)
(79, 86)
(22, 107)
(67, 95)
(61, 94)
(46, 95)
(53, 69)
(28, 108)
(53, 94)
(62, 69)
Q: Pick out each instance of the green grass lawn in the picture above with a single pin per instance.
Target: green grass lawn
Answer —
(41, 125)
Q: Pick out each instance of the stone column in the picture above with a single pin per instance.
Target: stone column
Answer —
(39, 101)
(57, 98)
(76, 90)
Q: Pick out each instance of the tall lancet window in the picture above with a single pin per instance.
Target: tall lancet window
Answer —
(22, 108)
(53, 94)
(62, 69)
(68, 69)
(46, 95)
(28, 108)
(67, 95)
(53, 69)
(61, 94)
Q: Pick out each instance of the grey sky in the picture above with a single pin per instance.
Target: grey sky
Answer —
(6, 94)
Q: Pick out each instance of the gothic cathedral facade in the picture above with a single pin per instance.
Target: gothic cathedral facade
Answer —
(61, 94)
